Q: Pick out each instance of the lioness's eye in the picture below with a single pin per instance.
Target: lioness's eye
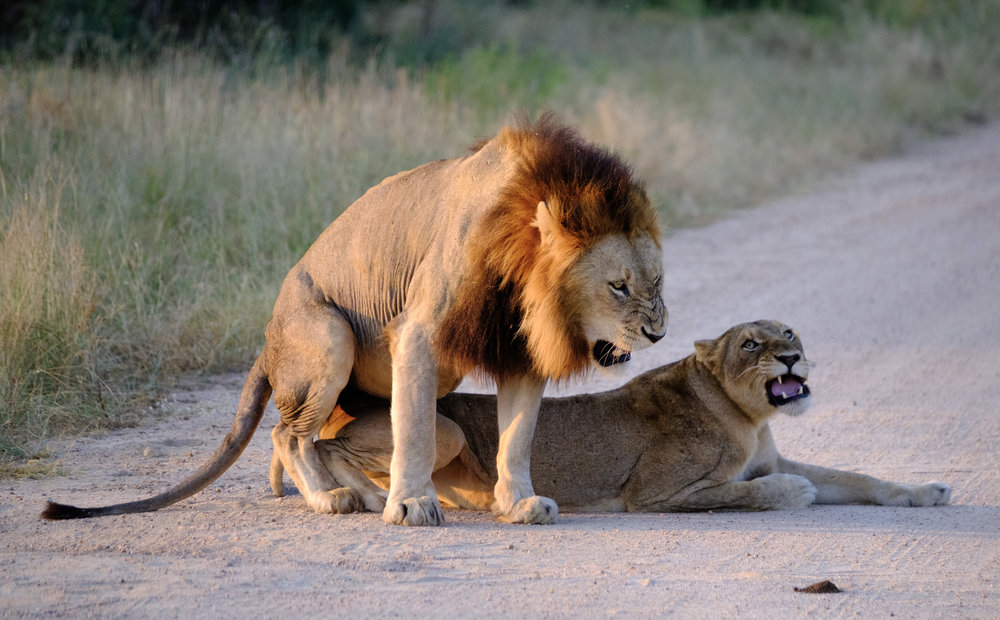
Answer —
(656, 282)
(789, 334)
(750, 345)
(619, 287)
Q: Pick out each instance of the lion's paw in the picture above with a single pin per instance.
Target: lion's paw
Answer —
(536, 510)
(336, 501)
(413, 511)
(787, 491)
(930, 494)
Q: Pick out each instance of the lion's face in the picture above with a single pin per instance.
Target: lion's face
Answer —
(618, 283)
(761, 366)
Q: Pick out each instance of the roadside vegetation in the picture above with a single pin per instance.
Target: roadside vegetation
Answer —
(153, 194)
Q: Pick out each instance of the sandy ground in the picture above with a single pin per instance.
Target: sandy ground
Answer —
(891, 274)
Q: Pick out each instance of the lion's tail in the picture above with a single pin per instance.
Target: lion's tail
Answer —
(256, 392)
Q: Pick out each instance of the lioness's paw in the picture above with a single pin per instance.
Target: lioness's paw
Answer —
(933, 494)
(413, 511)
(930, 494)
(536, 510)
(335, 501)
(374, 502)
(786, 491)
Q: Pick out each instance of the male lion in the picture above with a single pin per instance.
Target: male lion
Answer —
(692, 435)
(536, 256)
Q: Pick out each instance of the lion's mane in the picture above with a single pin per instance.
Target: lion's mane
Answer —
(514, 313)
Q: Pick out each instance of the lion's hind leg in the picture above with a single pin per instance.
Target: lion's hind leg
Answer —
(310, 355)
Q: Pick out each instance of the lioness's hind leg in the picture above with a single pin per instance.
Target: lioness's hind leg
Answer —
(346, 468)
(365, 445)
(289, 455)
(277, 473)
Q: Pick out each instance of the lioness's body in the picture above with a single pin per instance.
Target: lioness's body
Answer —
(691, 435)
(532, 257)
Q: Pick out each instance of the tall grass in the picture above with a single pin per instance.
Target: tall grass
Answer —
(149, 212)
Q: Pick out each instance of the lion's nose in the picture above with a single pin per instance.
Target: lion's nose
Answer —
(788, 360)
(654, 338)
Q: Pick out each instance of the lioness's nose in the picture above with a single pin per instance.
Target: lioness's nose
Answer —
(654, 338)
(788, 360)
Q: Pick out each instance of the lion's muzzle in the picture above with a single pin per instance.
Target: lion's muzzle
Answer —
(608, 354)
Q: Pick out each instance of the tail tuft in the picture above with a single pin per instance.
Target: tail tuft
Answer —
(57, 512)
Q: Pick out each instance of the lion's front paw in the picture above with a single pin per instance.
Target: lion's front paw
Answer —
(533, 510)
(413, 511)
(786, 491)
(336, 501)
(930, 494)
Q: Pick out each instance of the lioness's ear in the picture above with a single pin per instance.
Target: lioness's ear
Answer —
(704, 352)
(547, 225)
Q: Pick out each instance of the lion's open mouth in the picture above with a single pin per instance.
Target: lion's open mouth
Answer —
(607, 354)
(785, 389)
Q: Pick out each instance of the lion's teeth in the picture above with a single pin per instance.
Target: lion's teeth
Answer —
(779, 380)
(801, 389)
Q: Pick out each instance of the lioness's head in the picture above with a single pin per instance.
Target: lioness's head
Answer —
(761, 366)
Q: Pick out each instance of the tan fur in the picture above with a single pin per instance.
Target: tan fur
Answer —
(692, 435)
(480, 263)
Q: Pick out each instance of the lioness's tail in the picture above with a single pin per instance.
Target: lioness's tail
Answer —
(253, 399)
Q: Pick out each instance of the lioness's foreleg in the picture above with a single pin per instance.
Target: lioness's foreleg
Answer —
(310, 356)
(770, 492)
(835, 486)
(518, 400)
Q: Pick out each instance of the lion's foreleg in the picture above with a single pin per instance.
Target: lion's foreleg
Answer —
(412, 499)
(517, 413)
(835, 486)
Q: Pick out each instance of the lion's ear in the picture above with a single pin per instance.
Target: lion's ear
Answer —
(705, 352)
(547, 225)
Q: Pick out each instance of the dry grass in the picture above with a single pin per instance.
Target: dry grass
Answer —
(148, 214)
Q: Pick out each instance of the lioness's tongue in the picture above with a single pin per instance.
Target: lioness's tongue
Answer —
(788, 387)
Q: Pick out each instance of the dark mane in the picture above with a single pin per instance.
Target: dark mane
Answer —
(591, 193)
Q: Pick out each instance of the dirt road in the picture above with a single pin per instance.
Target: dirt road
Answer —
(890, 273)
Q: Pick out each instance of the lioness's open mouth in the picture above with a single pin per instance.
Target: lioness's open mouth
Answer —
(785, 389)
(607, 354)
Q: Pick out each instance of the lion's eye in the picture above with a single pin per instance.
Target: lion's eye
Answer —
(750, 345)
(789, 334)
(657, 281)
(619, 287)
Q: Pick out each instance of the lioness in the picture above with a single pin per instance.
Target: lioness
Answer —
(691, 435)
(536, 256)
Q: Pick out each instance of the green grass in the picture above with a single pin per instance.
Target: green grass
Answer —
(148, 211)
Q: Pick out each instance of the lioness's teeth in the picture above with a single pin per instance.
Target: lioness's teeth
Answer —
(779, 380)
(801, 389)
